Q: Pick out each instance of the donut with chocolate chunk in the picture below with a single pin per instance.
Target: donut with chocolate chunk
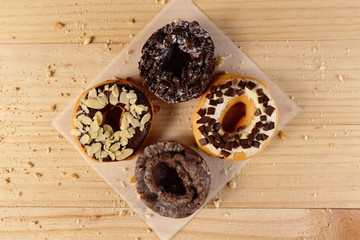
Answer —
(236, 117)
(178, 61)
(172, 179)
(112, 120)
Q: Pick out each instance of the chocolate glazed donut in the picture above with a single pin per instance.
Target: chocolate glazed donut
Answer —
(172, 179)
(178, 61)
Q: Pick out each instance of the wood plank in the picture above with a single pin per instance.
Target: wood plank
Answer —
(299, 173)
(105, 223)
(33, 22)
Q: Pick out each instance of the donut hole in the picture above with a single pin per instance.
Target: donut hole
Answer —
(112, 117)
(167, 179)
(233, 118)
(176, 60)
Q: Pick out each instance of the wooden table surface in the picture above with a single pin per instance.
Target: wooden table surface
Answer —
(305, 187)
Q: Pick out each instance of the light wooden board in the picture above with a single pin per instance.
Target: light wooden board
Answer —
(303, 46)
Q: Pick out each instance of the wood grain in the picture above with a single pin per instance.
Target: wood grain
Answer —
(240, 20)
(305, 187)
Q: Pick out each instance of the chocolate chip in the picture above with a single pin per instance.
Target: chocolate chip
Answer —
(263, 118)
(203, 141)
(222, 145)
(259, 92)
(235, 144)
(225, 153)
(204, 119)
(245, 143)
(209, 95)
(255, 144)
(213, 102)
(228, 145)
(210, 139)
(250, 85)
(223, 86)
(269, 110)
(211, 122)
(258, 124)
(216, 145)
(250, 137)
(265, 136)
(242, 84)
(229, 84)
(261, 137)
(225, 137)
(257, 112)
(240, 92)
(230, 92)
(271, 125)
(217, 126)
(255, 131)
(266, 98)
(237, 137)
(213, 89)
(261, 99)
(217, 136)
(201, 112)
(219, 94)
(202, 128)
(208, 128)
(220, 100)
(204, 133)
(210, 111)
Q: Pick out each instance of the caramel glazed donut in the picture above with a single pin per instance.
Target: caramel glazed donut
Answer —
(112, 120)
(235, 118)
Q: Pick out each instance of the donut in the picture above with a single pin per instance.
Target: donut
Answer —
(111, 120)
(172, 179)
(235, 118)
(178, 61)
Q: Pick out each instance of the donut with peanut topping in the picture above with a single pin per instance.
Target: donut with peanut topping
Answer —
(112, 120)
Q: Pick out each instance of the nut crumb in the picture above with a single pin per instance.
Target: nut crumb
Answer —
(88, 40)
(217, 202)
(74, 176)
(148, 215)
(38, 175)
(306, 137)
(317, 127)
(149, 230)
(53, 107)
(340, 78)
(58, 184)
(132, 180)
(130, 20)
(30, 164)
(131, 35)
(48, 149)
(282, 135)
(226, 214)
(129, 52)
(59, 25)
(15, 89)
(7, 180)
(232, 184)
(125, 169)
(19, 194)
(314, 49)
(122, 213)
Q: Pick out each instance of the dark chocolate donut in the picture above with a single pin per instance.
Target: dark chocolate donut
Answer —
(172, 179)
(178, 61)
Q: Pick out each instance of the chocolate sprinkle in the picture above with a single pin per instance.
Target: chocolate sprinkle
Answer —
(208, 128)
(202, 128)
(263, 118)
(203, 141)
(261, 99)
(257, 112)
(204, 119)
(259, 92)
(229, 146)
(269, 110)
(209, 95)
(258, 124)
(213, 102)
(255, 144)
(230, 92)
(240, 92)
(250, 137)
(223, 86)
(222, 145)
(213, 89)
(217, 136)
(237, 137)
(225, 153)
(219, 94)
(250, 85)
(201, 112)
(245, 143)
(204, 133)
(217, 126)
(235, 144)
(210, 139)
(216, 145)
(225, 137)
(255, 131)
(220, 100)
(211, 111)
(211, 122)
(242, 84)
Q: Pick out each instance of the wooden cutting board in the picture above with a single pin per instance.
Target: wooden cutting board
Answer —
(304, 187)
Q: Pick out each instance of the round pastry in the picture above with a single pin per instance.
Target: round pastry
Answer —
(178, 61)
(112, 120)
(172, 179)
(235, 118)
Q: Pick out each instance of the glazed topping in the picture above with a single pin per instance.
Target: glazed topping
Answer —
(172, 179)
(112, 121)
(220, 137)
